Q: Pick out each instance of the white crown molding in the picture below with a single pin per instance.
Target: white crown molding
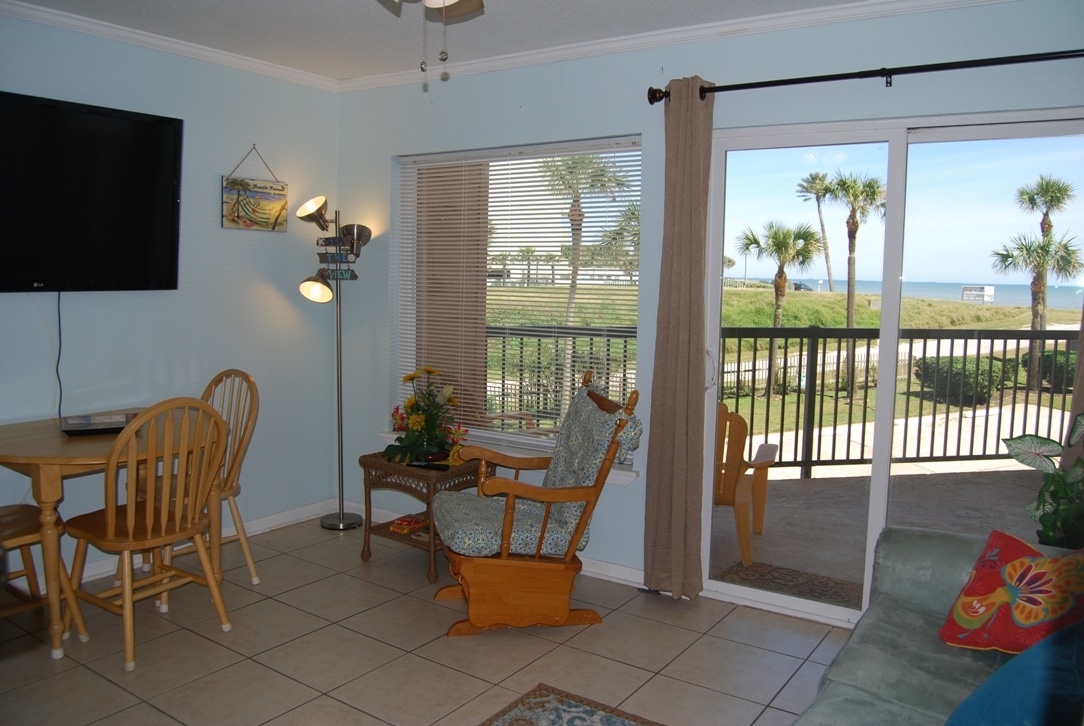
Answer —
(862, 10)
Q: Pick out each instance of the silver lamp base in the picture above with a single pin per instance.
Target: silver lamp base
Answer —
(338, 521)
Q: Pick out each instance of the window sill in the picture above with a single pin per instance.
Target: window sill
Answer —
(621, 475)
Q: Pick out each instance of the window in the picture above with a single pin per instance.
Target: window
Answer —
(515, 270)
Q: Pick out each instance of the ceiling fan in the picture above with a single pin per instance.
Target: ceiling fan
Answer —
(453, 8)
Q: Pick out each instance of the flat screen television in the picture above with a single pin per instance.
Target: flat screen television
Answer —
(91, 197)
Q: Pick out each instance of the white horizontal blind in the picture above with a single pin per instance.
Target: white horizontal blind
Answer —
(514, 271)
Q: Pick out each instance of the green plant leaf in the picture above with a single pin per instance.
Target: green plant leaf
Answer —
(1077, 432)
(1034, 451)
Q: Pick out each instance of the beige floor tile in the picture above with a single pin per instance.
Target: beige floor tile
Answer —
(261, 626)
(404, 571)
(801, 689)
(340, 554)
(678, 703)
(602, 593)
(700, 614)
(106, 632)
(279, 574)
(735, 668)
(74, 696)
(27, 659)
(479, 709)
(644, 643)
(830, 646)
(337, 597)
(410, 690)
(327, 658)
(405, 622)
(492, 656)
(192, 603)
(243, 694)
(771, 631)
(141, 714)
(775, 717)
(232, 557)
(324, 711)
(577, 671)
(165, 663)
(294, 537)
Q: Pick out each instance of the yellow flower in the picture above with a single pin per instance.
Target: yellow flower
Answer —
(416, 422)
(411, 376)
(431, 371)
(411, 402)
(452, 401)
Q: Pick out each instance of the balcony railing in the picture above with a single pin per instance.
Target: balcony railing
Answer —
(532, 371)
(959, 392)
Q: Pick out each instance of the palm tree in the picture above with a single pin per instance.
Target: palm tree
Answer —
(796, 247)
(576, 178)
(860, 193)
(526, 255)
(1047, 195)
(621, 243)
(815, 186)
(1041, 257)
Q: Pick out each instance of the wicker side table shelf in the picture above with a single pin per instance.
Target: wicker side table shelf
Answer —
(420, 482)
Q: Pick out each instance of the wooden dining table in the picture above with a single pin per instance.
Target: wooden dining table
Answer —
(43, 452)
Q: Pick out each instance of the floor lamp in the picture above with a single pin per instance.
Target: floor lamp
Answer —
(339, 253)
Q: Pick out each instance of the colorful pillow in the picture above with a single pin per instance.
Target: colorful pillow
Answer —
(1015, 597)
(1043, 686)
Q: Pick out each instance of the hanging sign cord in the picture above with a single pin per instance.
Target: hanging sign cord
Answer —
(261, 159)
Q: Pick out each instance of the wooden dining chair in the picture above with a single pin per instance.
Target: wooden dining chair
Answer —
(20, 529)
(739, 483)
(183, 441)
(234, 395)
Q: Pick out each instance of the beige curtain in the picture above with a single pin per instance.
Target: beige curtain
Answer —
(675, 468)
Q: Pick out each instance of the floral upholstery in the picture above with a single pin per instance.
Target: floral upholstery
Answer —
(471, 525)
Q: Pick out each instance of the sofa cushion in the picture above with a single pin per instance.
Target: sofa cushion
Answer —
(840, 704)
(1015, 597)
(1043, 686)
(895, 653)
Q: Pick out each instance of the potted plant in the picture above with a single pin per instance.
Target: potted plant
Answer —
(1059, 505)
(425, 422)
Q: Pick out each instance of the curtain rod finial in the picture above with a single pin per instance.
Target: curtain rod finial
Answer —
(654, 95)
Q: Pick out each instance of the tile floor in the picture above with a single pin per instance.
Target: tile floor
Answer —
(327, 639)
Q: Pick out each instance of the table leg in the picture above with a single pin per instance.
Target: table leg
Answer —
(46, 484)
(366, 553)
(432, 575)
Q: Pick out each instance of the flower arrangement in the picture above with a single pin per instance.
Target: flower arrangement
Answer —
(426, 422)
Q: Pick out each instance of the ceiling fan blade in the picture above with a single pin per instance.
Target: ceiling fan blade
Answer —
(462, 8)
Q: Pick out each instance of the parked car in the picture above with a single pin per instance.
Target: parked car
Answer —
(802, 286)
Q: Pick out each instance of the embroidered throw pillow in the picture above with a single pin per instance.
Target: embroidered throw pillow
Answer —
(1015, 597)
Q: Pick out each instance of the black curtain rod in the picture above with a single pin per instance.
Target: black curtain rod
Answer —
(654, 95)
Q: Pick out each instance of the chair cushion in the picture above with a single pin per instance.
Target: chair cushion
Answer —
(471, 525)
(585, 436)
(1015, 597)
(1042, 686)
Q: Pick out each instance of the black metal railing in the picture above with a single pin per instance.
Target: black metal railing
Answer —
(959, 392)
(532, 370)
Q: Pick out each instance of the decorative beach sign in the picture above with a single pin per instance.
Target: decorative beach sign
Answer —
(254, 204)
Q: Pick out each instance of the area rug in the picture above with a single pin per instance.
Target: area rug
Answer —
(548, 706)
(795, 582)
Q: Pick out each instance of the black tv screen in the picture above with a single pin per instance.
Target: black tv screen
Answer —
(91, 197)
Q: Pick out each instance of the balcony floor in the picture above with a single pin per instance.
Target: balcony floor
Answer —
(818, 526)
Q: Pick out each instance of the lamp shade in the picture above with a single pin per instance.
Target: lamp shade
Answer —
(317, 288)
(315, 210)
(356, 235)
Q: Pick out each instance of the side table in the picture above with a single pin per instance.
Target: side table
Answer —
(420, 482)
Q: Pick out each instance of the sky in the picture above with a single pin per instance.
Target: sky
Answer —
(961, 204)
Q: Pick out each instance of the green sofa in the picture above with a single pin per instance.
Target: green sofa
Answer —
(894, 668)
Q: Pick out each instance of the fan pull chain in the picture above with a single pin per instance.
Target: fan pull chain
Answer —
(424, 66)
(443, 35)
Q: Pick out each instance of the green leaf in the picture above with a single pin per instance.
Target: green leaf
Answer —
(1077, 432)
(1034, 451)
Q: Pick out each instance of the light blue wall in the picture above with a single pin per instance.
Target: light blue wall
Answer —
(238, 305)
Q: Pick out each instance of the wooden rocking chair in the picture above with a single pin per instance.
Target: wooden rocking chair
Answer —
(512, 548)
(739, 483)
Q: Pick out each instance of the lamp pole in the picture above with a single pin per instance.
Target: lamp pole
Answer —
(339, 520)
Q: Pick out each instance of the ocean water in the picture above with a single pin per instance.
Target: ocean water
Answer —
(1058, 297)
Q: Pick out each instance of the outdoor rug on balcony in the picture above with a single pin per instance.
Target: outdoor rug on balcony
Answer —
(794, 582)
(547, 706)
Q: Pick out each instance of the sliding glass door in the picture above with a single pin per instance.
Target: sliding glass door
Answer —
(852, 268)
